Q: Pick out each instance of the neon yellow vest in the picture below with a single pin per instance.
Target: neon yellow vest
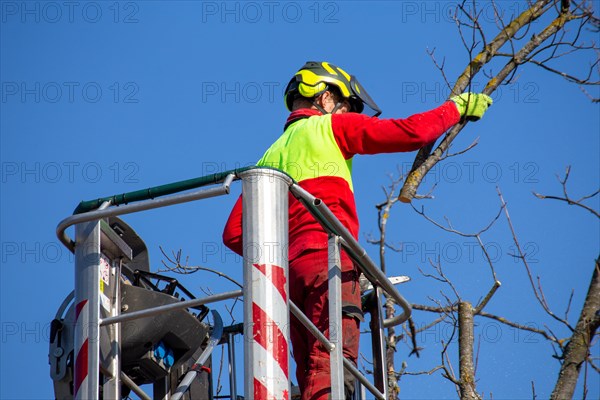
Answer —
(307, 149)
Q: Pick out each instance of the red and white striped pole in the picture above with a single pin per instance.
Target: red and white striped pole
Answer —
(87, 311)
(266, 304)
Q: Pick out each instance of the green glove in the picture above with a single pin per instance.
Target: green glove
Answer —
(472, 106)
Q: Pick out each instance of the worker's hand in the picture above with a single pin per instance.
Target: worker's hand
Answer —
(472, 106)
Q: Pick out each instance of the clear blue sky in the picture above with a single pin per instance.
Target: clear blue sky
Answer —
(99, 98)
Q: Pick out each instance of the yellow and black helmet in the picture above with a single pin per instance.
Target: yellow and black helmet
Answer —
(314, 78)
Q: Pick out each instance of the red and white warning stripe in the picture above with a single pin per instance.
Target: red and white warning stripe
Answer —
(81, 355)
(270, 331)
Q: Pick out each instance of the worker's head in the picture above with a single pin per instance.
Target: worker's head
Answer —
(327, 88)
(330, 101)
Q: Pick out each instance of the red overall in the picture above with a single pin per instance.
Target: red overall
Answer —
(354, 134)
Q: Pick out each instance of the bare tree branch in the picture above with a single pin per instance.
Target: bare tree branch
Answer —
(430, 372)
(577, 350)
(179, 268)
(424, 161)
(594, 366)
(438, 310)
(519, 326)
(476, 235)
(568, 199)
(522, 256)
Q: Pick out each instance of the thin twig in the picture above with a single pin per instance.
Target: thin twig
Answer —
(476, 235)
(503, 320)
(430, 372)
(177, 267)
(570, 201)
(477, 355)
(521, 256)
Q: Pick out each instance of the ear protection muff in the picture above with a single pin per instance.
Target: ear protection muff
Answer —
(309, 91)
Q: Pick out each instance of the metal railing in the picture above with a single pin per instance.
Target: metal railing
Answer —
(333, 225)
(267, 307)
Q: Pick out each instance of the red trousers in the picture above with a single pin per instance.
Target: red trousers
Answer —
(308, 290)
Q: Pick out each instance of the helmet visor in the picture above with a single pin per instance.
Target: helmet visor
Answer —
(361, 94)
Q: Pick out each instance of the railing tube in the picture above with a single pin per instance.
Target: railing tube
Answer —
(336, 356)
(178, 305)
(232, 369)
(135, 207)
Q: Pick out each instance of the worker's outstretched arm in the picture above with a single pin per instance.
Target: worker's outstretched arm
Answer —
(361, 134)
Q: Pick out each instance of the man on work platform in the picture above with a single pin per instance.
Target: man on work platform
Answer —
(324, 131)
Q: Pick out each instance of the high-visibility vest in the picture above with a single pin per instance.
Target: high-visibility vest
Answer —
(307, 149)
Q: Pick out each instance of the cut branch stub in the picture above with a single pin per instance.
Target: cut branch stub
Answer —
(465, 351)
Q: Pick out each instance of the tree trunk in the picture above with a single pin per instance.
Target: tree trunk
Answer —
(578, 348)
(393, 388)
(465, 352)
